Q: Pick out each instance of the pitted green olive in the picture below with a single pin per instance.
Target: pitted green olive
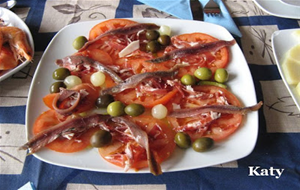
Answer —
(203, 73)
(116, 108)
(182, 140)
(188, 79)
(134, 109)
(152, 35)
(79, 42)
(153, 46)
(221, 75)
(203, 144)
(55, 87)
(104, 100)
(164, 40)
(60, 73)
(101, 138)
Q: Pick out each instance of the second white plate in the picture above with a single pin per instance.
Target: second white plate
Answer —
(279, 8)
(282, 41)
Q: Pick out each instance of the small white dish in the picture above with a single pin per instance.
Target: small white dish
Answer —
(237, 146)
(282, 41)
(279, 8)
(11, 19)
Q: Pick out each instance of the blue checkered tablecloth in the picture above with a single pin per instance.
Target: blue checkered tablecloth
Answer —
(278, 143)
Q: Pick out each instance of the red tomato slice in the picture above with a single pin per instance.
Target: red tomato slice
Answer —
(205, 125)
(61, 144)
(147, 99)
(48, 100)
(97, 55)
(107, 25)
(213, 61)
(161, 140)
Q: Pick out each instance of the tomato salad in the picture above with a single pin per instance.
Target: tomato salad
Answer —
(133, 92)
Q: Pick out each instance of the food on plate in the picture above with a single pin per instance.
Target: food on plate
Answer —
(14, 47)
(296, 33)
(291, 65)
(149, 98)
(298, 88)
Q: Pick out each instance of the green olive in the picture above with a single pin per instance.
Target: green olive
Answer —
(101, 138)
(153, 46)
(116, 108)
(152, 35)
(164, 40)
(54, 88)
(203, 144)
(188, 79)
(60, 73)
(221, 75)
(203, 73)
(104, 100)
(134, 109)
(79, 42)
(182, 140)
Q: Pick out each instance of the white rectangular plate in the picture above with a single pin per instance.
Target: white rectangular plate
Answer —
(237, 146)
(282, 41)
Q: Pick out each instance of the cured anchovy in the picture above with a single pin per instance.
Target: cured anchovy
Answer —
(64, 94)
(141, 138)
(191, 112)
(123, 31)
(197, 49)
(75, 62)
(76, 125)
(134, 80)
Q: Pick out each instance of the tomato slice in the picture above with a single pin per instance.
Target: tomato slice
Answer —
(206, 125)
(77, 143)
(148, 95)
(107, 25)
(161, 141)
(213, 61)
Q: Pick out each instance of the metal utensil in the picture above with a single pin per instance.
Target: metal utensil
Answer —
(212, 8)
(197, 11)
(8, 4)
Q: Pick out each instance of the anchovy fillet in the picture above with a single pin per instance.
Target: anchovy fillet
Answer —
(197, 49)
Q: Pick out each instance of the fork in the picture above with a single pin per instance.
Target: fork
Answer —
(212, 8)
